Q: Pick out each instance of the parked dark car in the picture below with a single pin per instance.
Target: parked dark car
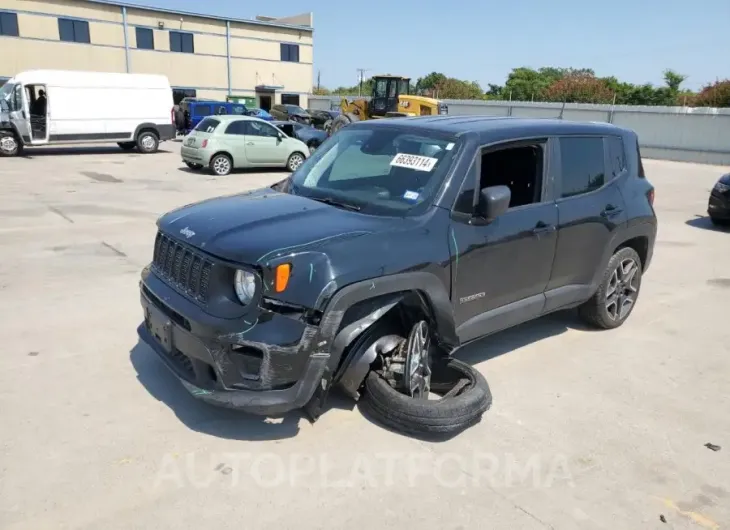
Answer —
(290, 113)
(393, 245)
(321, 117)
(306, 133)
(718, 207)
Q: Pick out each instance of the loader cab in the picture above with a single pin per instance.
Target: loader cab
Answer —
(386, 91)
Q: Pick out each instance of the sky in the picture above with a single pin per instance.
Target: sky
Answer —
(478, 40)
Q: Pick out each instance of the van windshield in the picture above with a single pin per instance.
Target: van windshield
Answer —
(5, 92)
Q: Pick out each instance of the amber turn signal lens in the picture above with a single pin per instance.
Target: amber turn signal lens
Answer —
(283, 272)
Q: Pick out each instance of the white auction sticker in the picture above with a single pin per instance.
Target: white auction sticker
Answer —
(417, 162)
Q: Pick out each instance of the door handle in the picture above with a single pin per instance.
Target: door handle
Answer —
(542, 228)
(611, 210)
(249, 143)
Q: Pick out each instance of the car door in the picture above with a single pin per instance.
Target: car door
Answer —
(264, 144)
(590, 213)
(234, 139)
(500, 269)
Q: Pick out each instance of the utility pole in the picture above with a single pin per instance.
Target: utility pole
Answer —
(319, 73)
(360, 76)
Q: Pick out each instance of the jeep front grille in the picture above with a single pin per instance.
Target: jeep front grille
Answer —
(182, 267)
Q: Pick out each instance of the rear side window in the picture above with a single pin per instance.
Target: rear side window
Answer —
(236, 128)
(616, 155)
(641, 164)
(582, 161)
(207, 125)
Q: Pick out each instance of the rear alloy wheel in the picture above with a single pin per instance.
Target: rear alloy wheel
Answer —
(9, 145)
(398, 394)
(221, 165)
(616, 298)
(295, 160)
(147, 142)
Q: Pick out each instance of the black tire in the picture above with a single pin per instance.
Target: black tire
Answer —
(445, 417)
(147, 142)
(179, 119)
(343, 120)
(221, 164)
(595, 312)
(312, 147)
(192, 165)
(127, 146)
(295, 160)
(10, 144)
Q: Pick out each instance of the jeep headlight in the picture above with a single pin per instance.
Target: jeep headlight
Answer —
(245, 284)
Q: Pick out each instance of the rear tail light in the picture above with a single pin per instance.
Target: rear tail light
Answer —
(650, 196)
(172, 115)
(205, 144)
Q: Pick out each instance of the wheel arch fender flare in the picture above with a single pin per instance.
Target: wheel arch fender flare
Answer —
(386, 292)
(643, 229)
(11, 128)
(146, 125)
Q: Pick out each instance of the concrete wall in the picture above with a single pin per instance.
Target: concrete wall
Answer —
(230, 56)
(670, 133)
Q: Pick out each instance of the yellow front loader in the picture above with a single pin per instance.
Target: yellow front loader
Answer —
(391, 98)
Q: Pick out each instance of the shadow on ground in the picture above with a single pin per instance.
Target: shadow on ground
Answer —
(85, 150)
(704, 222)
(499, 344)
(245, 171)
(159, 381)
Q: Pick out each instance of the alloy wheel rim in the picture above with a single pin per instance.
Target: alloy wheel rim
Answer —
(221, 165)
(8, 144)
(296, 161)
(417, 367)
(148, 142)
(623, 287)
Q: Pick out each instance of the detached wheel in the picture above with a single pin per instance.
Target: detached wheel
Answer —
(221, 165)
(9, 144)
(147, 142)
(616, 297)
(127, 146)
(341, 121)
(295, 160)
(399, 397)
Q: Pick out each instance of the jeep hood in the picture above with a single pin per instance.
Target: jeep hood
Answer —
(250, 227)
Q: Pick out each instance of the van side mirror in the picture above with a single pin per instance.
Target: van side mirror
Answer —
(493, 201)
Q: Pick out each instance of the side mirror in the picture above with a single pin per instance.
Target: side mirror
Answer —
(494, 201)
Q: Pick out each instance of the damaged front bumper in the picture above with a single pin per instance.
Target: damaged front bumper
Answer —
(265, 364)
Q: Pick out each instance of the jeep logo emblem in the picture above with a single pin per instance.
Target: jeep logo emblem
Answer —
(187, 232)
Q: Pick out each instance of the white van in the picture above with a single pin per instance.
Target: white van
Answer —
(57, 107)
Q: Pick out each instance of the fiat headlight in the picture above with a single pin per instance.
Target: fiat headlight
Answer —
(245, 284)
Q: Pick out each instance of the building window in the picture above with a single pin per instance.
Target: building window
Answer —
(9, 24)
(145, 39)
(179, 93)
(290, 53)
(73, 30)
(290, 99)
(181, 42)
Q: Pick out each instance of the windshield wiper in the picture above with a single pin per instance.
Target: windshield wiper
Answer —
(337, 204)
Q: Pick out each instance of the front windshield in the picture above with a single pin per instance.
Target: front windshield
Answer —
(294, 108)
(6, 92)
(383, 170)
